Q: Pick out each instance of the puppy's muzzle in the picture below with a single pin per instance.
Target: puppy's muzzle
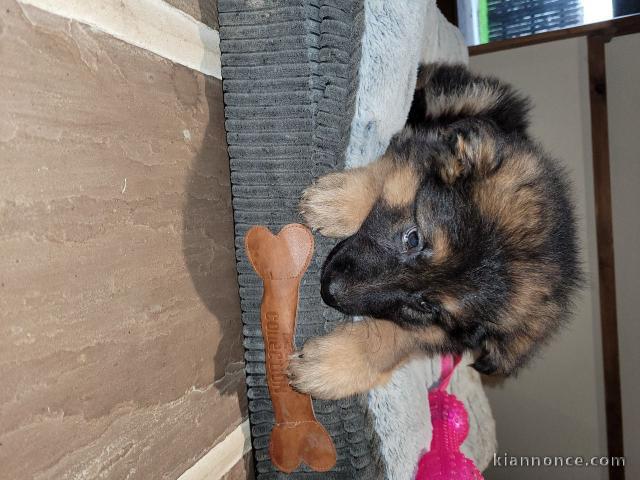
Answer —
(334, 280)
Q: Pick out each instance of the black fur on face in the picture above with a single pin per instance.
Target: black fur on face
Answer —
(484, 247)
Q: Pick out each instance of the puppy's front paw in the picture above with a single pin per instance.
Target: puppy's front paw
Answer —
(331, 367)
(323, 206)
(312, 370)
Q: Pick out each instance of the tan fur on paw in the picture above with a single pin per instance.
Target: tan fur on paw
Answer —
(340, 364)
(327, 207)
(319, 204)
(338, 203)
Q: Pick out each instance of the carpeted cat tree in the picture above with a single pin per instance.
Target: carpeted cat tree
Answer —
(312, 86)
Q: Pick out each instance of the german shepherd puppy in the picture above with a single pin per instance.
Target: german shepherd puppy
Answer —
(461, 237)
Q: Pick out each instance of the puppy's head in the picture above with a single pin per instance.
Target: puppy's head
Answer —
(423, 254)
(395, 262)
(470, 230)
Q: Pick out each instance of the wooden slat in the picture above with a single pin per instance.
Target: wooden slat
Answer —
(609, 28)
(604, 233)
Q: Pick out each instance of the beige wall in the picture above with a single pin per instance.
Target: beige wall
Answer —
(120, 330)
(555, 407)
(623, 82)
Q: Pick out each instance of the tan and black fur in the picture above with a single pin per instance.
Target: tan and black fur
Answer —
(461, 237)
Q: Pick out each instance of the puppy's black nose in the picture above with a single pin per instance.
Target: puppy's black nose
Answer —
(331, 288)
(337, 275)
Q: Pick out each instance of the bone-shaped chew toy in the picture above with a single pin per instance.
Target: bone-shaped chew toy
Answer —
(281, 262)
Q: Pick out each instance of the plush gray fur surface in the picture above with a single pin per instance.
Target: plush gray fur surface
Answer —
(398, 36)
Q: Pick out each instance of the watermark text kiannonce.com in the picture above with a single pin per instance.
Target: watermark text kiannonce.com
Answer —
(506, 460)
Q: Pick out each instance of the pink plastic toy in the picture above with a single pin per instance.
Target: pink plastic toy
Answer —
(444, 460)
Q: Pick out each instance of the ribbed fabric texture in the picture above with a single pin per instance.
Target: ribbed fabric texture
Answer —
(290, 73)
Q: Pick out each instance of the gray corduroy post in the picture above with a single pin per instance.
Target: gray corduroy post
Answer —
(290, 73)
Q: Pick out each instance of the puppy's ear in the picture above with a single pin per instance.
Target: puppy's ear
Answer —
(423, 94)
(418, 111)
(473, 150)
(452, 91)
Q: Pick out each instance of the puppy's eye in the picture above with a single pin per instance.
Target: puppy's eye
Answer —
(411, 240)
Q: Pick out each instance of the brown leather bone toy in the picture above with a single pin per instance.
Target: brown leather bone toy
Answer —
(281, 261)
